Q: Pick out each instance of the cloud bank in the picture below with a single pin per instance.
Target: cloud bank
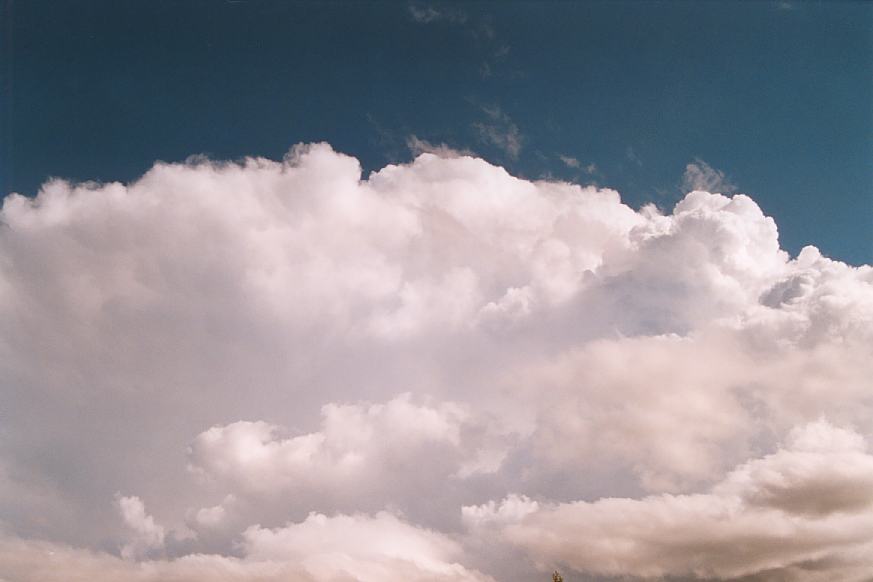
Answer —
(273, 370)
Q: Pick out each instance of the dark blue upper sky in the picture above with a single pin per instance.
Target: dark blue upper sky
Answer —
(778, 95)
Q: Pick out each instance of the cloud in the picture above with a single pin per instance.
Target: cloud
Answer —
(797, 514)
(261, 351)
(575, 163)
(355, 448)
(631, 155)
(701, 176)
(480, 28)
(512, 509)
(211, 517)
(148, 535)
(420, 146)
(379, 548)
(428, 13)
(365, 548)
(500, 131)
(570, 162)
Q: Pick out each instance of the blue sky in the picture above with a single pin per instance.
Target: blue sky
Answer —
(777, 95)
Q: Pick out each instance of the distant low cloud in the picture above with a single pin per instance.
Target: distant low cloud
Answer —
(320, 548)
(801, 513)
(367, 548)
(437, 371)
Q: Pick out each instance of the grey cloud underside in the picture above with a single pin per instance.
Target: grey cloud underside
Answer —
(282, 370)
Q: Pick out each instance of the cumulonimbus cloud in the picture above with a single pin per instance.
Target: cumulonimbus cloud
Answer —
(273, 351)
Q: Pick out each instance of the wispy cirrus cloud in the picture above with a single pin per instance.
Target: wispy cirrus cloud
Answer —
(481, 28)
(701, 176)
(420, 146)
(576, 164)
(426, 13)
(500, 131)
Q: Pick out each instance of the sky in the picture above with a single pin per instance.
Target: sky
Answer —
(777, 95)
(436, 292)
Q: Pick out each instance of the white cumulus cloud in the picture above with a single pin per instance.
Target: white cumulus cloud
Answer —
(274, 352)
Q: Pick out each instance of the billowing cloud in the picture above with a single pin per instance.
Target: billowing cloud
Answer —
(801, 513)
(361, 548)
(217, 363)
(356, 445)
(380, 548)
(147, 534)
